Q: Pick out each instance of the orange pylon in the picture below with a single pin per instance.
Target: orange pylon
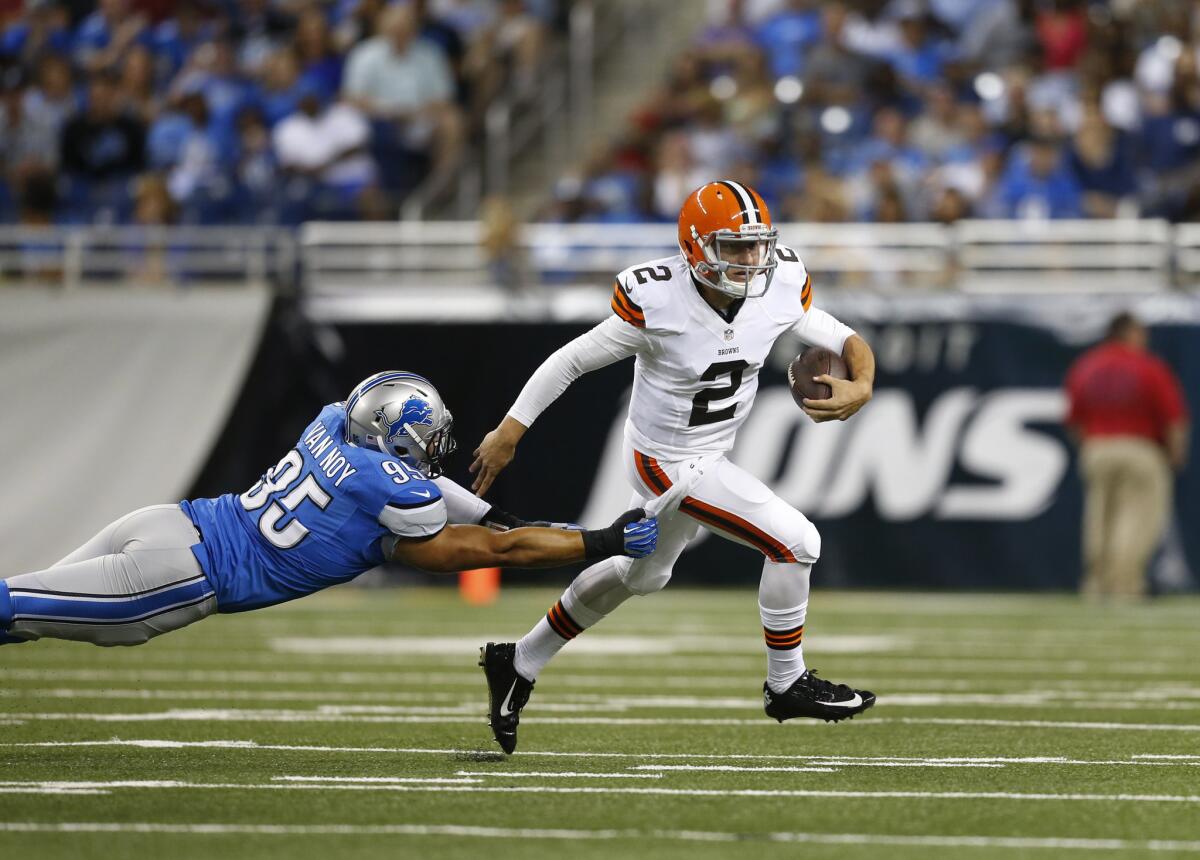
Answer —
(479, 587)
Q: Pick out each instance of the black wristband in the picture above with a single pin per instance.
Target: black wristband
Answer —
(501, 520)
(603, 543)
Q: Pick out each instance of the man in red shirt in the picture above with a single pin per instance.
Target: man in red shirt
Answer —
(1128, 414)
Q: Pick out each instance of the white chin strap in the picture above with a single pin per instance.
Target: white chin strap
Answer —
(381, 442)
(412, 434)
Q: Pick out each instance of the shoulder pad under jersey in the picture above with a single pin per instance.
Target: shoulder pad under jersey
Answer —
(646, 295)
(417, 510)
(791, 289)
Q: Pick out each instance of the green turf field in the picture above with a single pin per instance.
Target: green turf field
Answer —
(351, 724)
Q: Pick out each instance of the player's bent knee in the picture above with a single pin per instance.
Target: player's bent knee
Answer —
(794, 531)
(806, 544)
(644, 577)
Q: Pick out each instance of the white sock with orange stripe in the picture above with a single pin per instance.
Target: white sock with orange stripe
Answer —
(589, 598)
(782, 606)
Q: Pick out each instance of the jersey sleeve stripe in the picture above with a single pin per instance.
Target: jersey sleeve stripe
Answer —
(421, 521)
(806, 293)
(411, 506)
(626, 316)
(628, 300)
(626, 309)
(622, 300)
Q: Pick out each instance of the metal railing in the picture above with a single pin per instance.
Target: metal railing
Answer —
(154, 256)
(1000, 256)
(987, 256)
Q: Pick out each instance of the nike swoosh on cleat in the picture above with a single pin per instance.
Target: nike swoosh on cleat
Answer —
(505, 706)
(852, 703)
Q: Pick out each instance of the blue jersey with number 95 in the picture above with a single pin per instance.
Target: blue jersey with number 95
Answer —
(317, 518)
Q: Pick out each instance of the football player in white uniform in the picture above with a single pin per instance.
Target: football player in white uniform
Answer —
(701, 323)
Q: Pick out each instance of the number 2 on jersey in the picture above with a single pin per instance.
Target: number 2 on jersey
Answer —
(700, 411)
(281, 476)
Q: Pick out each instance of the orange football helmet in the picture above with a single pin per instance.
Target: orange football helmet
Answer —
(725, 233)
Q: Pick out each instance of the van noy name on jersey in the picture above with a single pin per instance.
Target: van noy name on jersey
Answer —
(334, 465)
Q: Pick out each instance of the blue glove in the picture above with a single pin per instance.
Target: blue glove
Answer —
(641, 538)
(632, 534)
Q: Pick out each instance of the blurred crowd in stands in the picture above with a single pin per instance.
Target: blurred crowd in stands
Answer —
(918, 110)
(248, 111)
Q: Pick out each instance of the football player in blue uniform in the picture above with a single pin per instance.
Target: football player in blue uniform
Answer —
(362, 486)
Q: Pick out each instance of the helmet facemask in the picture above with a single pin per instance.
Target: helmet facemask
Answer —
(436, 446)
(742, 264)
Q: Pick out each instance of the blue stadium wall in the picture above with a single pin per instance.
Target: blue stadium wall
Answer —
(957, 475)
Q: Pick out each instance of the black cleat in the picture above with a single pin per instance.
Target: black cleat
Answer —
(508, 692)
(815, 697)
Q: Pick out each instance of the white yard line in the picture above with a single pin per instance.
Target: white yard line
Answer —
(629, 645)
(909, 671)
(571, 774)
(388, 780)
(1049, 724)
(38, 789)
(319, 716)
(335, 715)
(582, 703)
(525, 833)
(210, 694)
(1141, 759)
(834, 763)
(371, 784)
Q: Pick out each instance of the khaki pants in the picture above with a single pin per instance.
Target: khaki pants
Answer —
(1127, 499)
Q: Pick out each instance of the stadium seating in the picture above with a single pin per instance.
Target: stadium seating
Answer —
(916, 110)
(96, 96)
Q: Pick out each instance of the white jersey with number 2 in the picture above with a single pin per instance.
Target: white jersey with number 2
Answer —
(697, 372)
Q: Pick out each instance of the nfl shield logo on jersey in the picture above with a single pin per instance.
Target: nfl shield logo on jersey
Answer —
(728, 334)
(414, 411)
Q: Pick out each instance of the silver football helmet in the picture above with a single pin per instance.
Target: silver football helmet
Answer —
(403, 416)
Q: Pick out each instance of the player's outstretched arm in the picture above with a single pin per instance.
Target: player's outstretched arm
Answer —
(457, 548)
(848, 395)
(611, 340)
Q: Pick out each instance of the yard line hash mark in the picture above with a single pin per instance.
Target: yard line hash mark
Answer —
(525, 833)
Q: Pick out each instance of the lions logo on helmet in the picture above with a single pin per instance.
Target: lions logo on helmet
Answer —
(413, 412)
(402, 415)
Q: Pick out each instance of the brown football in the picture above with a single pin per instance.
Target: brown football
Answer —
(814, 361)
